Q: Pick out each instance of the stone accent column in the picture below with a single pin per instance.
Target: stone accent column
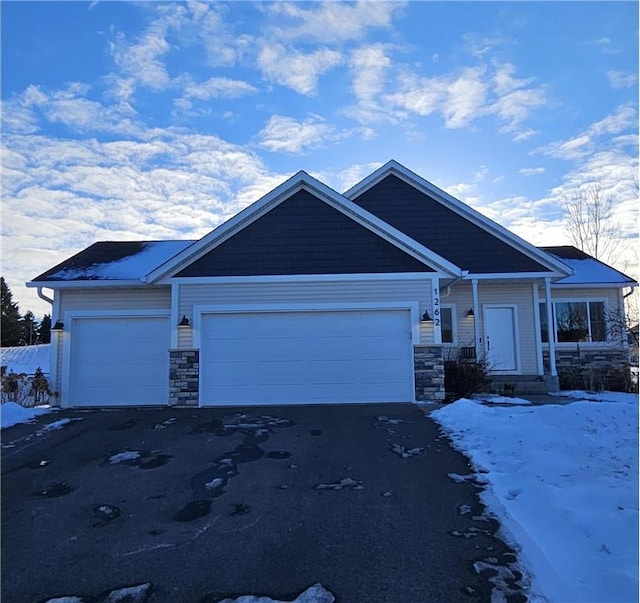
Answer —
(184, 373)
(428, 365)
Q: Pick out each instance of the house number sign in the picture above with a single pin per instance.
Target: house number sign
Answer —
(436, 306)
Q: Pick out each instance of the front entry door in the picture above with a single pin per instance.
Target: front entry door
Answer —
(500, 338)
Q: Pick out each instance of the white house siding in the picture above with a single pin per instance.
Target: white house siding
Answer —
(94, 300)
(518, 293)
(319, 292)
(134, 298)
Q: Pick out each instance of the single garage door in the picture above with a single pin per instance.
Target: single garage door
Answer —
(119, 361)
(306, 357)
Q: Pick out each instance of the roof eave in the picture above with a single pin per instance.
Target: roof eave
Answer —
(86, 284)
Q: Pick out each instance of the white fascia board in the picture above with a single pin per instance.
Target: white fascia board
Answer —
(593, 285)
(464, 210)
(513, 275)
(304, 278)
(301, 181)
(88, 284)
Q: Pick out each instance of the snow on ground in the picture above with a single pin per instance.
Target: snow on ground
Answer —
(314, 594)
(25, 358)
(11, 413)
(563, 481)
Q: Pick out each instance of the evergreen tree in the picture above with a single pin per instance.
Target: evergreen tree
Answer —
(29, 326)
(44, 330)
(10, 324)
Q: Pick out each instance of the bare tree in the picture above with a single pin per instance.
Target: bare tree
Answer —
(590, 224)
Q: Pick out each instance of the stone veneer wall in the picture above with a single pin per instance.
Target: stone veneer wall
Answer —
(586, 363)
(184, 369)
(428, 365)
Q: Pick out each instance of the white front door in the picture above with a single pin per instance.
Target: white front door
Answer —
(500, 338)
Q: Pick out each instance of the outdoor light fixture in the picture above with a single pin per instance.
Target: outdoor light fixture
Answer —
(470, 312)
(426, 317)
(184, 322)
(59, 326)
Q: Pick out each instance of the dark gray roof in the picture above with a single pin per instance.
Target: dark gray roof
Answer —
(587, 269)
(114, 260)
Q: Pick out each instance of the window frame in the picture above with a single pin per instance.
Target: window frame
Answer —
(454, 325)
(542, 310)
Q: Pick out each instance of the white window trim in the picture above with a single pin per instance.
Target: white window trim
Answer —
(454, 325)
(572, 344)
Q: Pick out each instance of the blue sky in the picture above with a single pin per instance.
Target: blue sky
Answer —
(144, 121)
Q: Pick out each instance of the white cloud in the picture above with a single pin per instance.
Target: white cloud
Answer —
(286, 134)
(471, 93)
(466, 97)
(574, 148)
(524, 135)
(141, 60)
(60, 196)
(295, 69)
(531, 171)
(218, 87)
(331, 22)
(622, 118)
(620, 79)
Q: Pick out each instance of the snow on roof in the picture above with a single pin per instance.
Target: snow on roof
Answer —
(25, 359)
(106, 261)
(587, 269)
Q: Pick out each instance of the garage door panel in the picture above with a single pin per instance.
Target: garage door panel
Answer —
(119, 361)
(297, 357)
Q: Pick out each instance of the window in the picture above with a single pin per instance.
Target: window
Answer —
(575, 321)
(447, 325)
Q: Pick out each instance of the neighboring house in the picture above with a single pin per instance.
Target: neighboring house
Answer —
(310, 296)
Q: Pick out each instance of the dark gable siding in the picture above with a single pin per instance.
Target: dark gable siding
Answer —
(442, 230)
(303, 235)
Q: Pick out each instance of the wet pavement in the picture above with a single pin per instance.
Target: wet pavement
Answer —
(196, 505)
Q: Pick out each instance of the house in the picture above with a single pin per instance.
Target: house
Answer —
(311, 296)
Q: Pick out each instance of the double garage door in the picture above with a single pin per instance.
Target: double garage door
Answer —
(306, 357)
(248, 358)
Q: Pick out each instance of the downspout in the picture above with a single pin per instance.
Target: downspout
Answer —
(41, 295)
(447, 289)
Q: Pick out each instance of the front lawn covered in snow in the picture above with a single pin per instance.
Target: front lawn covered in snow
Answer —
(563, 481)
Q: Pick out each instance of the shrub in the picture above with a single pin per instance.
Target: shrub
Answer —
(463, 377)
(26, 390)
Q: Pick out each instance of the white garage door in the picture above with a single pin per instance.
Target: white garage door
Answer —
(119, 361)
(306, 357)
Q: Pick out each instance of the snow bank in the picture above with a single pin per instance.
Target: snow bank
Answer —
(26, 358)
(314, 594)
(563, 480)
(11, 414)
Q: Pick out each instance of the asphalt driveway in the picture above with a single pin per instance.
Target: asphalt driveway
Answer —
(203, 504)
